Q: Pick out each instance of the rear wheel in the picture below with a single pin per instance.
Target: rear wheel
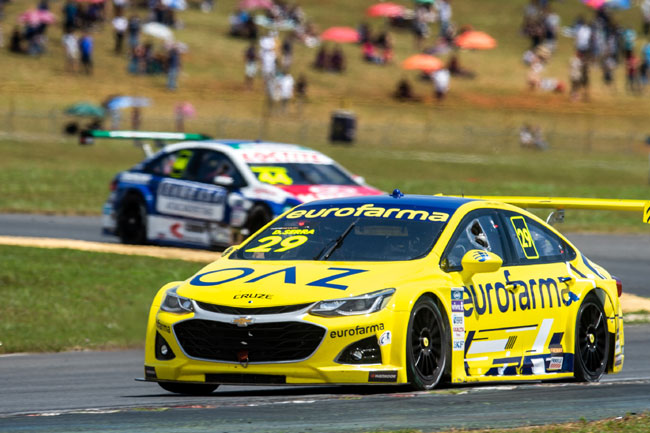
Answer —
(427, 345)
(132, 220)
(592, 341)
(188, 388)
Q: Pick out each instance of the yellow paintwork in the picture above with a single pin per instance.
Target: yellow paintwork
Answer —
(412, 280)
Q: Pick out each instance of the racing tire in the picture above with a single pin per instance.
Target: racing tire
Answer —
(132, 221)
(257, 218)
(427, 345)
(188, 388)
(591, 354)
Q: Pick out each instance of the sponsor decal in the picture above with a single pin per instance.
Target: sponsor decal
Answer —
(495, 297)
(370, 211)
(619, 359)
(459, 332)
(359, 330)
(227, 275)
(270, 156)
(457, 319)
(161, 326)
(385, 338)
(272, 175)
(137, 178)
(556, 348)
(456, 294)
(191, 200)
(555, 363)
(459, 345)
(382, 376)
(284, 232)
(243, 321)
(252, 296)
(307, 193)
(457, 306)
(480, 256)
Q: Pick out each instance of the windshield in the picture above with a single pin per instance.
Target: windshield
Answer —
(355, 233)
(300, 174)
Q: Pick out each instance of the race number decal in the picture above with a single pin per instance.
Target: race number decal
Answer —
(179, 166)
(267, 244)
(272, 175)
(524, 237)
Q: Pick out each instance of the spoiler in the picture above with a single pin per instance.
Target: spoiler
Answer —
(561, 203)
(88, 137)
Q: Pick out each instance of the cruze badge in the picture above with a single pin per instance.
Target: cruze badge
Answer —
(243, 321)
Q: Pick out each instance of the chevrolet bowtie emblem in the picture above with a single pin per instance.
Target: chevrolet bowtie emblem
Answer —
(243, 321)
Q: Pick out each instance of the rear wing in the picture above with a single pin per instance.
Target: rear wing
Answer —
(558, 204)
(88, 137)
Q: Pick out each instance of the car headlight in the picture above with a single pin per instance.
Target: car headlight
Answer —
(365, 304)
(174, 303)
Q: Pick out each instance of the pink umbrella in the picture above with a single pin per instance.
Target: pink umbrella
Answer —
(422, 62)
(37, 16)
(340, 34)
(185, 109)
(255, 4)
(474, 40)
(386, 9)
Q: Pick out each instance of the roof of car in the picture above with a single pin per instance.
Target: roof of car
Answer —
(437, 202)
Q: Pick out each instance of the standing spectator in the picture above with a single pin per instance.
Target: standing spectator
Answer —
(86, 50)
(287, 52)
(629, 41)
(251, 65)
(582, 37)
(645, 64)
(120, 24)
(118, 7)
(337, 60)
(16, 41)
(71, 48)
(645, 11)
(207, 5)
(632, 71)
(441, 79)
(134, 31)
(268, 55)
(321, 61)
(173, 67)
(364, 32)
(70, 12)
(444, 14)
(575, 75)
(420, 26)
(286, 84)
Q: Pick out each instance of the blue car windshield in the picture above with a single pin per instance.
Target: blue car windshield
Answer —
(300, 174)
(358, 232)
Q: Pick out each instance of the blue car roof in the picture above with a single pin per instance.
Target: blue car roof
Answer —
(425, 201)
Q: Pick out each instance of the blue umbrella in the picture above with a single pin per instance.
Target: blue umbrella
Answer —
(120, 102)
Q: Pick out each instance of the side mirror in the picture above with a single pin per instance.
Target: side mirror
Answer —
(223, 181)
(479, 262)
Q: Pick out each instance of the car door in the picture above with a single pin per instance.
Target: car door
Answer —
(492, 321)
(540, 279)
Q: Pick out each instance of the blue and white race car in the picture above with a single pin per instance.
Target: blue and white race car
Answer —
(213, 193)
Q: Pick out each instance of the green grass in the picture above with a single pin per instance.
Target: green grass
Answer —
(631, 423)
(64, 299)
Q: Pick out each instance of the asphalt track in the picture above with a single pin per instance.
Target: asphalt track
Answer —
(95, 391)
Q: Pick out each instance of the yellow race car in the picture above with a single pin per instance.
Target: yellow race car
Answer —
(391, 290)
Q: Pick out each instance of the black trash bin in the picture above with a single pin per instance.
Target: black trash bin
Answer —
(343, 127)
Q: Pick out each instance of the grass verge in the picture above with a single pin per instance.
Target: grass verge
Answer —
(66, 299)
(630, 423)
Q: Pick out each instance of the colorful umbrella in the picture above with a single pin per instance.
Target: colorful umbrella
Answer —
(158, 30)
(255, 4)
(474, 40)
(85, 109)
(119, 102)
(185, 109)
(422, 62)
(37, 16)
(615, 4)
(386, 9)
(340, 34)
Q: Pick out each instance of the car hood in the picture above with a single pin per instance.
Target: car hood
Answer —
(248, 283)
(307, 193)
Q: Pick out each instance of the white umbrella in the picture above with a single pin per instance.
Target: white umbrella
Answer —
(159, 31)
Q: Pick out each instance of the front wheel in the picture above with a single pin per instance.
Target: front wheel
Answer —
(188, 388)
(592, 341)
(427, 345)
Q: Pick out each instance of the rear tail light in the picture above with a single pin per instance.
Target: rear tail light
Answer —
(619, 286)
(113, 185)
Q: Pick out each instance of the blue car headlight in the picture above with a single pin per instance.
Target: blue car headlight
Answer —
(364, 304)
(174, 303)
